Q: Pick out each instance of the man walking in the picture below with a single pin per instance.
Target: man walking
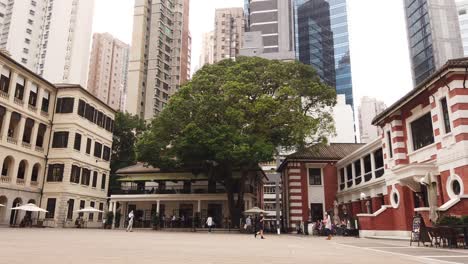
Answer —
(130, 221)
(209, 223)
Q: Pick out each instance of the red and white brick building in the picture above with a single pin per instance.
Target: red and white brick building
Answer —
(384, 183)
(425, 133)
(309, 179)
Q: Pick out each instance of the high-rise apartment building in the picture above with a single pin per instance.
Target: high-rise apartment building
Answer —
(207, 51)
(462, 6)
(108, 69)
(433, 34)
(322, 40)
(159, 59)
(51, 38)
(270, 29)
(368, 109)
(228, 33)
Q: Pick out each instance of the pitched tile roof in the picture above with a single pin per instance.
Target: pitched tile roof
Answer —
(334, 151)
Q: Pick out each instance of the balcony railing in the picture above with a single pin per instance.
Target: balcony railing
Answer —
(32, 108)
(26, 145)
(379, 172)
(368, 176)
(44, 114)
(18, 101)
(5, 179)
(34, 183)
(20, 181)
(342, 186)
(358, 180)
(169, 190)
(39, 149)
(12, 140)
(3, 94)
(349, 183)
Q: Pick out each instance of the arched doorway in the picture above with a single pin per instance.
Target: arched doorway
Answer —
(4, 201)
(35, 172)
(20, 176)
(30, 215)
(7, 166)
(14, 216)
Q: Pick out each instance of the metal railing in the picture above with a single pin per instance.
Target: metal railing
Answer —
(170, 190)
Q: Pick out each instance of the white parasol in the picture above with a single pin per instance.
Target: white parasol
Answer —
(30, 207)
(89, 210)
(255, 210)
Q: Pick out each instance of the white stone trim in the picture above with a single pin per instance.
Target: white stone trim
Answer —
(295, 204)
(295, 190)
(295, 211)
(448, 186)
(395, 204)
(296, 218)
(385, 233)
(295, 197)
(295, 184)
(294, 177)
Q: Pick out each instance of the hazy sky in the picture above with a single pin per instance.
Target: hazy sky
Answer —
(379, 51)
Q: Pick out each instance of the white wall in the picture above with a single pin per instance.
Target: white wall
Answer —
(344, 122)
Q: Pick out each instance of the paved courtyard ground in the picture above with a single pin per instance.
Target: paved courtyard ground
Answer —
(144, 246)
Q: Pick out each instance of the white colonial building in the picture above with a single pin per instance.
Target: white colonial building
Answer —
(55, 146)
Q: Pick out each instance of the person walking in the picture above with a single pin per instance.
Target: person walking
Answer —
(248, 224)
(328, 226)
(261, 226)
(130, 221)
(209, 223)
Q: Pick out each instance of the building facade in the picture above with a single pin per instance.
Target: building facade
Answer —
(51, 38)
(55, 148)
(180, 195)
(270, 29)
(425, 159)
(322, 40)
(108, 69)
(368, 109)
(343, 116)
(228, 33)
(272, 194)
(433, 35)
(310, 182)
(159, 60)
(207, 52)
(462, 7)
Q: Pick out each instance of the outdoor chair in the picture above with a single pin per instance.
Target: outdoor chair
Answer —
(434, 234)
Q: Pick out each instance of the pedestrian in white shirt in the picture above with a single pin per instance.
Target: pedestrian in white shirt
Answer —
(209, 223)
(328, 225)
(130, 221)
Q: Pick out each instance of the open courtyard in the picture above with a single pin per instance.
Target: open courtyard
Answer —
(146, 246)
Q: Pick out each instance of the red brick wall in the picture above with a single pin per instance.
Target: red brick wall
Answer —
(444, 175)
(460, 209)
(462, 172)
(304, 193)
(376, 204)
(330, 185)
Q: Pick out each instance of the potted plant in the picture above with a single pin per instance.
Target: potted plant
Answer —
(155, 221)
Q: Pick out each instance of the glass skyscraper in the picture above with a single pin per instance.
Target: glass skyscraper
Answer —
(321, 28)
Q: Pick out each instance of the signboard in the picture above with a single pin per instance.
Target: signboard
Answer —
(419, 231)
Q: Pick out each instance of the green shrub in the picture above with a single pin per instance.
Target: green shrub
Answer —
(465, 219)
(449, 220)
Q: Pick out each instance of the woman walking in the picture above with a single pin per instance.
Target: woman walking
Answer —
(261, 226)
(328, 226)
(130, 221)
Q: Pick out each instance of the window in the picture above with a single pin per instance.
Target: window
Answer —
(91, 215)
(445, 114)
(71, 204)
(75, 174)
(55, 173)
(40, 135)
(60, 140)
(421, 130)
(88, 146)
(65, 105)
(77, 144)
(89, 113)
(85, 177)
(5, 80)
(315, 176)
(19, 91)
(101, 208)
(103, 181)
(81, 108)
(45, 102)
(97, 150)
(389, 140)
(31, 12)
(51, 207)
(33, 95)
(29, 31)
(106, 153)
(35, 173)
(456, 187)
(27, 41)
(94, 179)
(82, 205)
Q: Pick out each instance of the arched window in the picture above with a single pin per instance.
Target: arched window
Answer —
(35, 172)
(21, 170)
(7, 166)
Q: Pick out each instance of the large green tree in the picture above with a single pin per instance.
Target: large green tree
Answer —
(126, 129)
(234, 114)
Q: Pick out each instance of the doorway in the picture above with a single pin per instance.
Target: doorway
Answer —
(316, 211)
(15, 213)
(216, 212)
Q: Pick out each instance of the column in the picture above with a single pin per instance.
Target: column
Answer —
(11, 90)
(363, 170)
(345, 178)
(19, 131)
(372, 160)
(27, 89)
(46, 143)
(199, 206)
(353, 172)
(113, 211)
(5, 125)
(34, 130)
(158, 202)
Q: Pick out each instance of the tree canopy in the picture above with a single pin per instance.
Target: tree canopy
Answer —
(235, 114)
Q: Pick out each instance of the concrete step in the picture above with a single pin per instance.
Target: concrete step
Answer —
(399, 238)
